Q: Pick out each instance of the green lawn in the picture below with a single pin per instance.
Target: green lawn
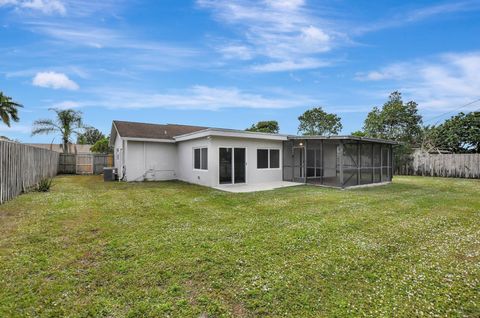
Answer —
(89, 248)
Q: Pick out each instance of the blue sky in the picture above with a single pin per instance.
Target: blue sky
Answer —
(232, 63)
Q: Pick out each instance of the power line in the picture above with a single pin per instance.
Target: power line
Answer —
(460, 107)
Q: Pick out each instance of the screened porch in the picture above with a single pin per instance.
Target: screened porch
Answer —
(337, 161)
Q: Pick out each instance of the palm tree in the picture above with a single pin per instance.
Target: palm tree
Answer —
(8, 109)
(68, 122)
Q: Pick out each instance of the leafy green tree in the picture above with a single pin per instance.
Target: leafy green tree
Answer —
(66, 123)
(102, 146)
(8, 110)
(270, 126)
(458, 134)
(431, 139)
(315, 121)
(90, 136)
(359, 133)
(396, 120)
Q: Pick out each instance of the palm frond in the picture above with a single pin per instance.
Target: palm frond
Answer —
(8, 109)
(43, 131)
(44, 122)
(67, 122)
(5, 118)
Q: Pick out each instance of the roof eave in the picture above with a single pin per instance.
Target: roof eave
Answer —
(149, 139)
(357, 138)
(229, 133)
(113, 134)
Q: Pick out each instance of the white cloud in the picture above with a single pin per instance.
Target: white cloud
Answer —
(196, 97)
(443, 8)
(8, 2)
(77, 8)
(67, 105)
(284, 32)
(290, 65)
(16, 128)
(97, 37)
(54, 80)
(315, 35)
(441, 83)
(43, 6)
(286, 4)
(393, 71)
(419, 14)
(240, 52)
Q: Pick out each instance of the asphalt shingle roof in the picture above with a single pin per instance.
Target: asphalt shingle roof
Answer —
(153, 131)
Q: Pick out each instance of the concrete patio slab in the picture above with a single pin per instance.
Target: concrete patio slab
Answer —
(265, 186)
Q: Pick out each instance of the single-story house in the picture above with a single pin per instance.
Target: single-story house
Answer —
(214, 157)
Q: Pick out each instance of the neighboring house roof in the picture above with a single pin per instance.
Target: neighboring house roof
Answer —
(72, 148)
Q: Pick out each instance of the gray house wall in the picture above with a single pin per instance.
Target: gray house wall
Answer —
(333, 162)
(168, 161)
(150, 161)
(186, 171)
(253, 175)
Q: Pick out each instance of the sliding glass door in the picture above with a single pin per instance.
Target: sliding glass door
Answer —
(239, 165)
(232, 165)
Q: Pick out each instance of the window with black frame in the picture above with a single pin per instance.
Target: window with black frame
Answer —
(200, 158)
(268, 158)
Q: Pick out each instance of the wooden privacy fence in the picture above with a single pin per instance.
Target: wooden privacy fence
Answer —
(442, 165)
(22, 167)
(84, 163)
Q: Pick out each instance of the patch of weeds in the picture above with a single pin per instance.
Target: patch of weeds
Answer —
(44, 185)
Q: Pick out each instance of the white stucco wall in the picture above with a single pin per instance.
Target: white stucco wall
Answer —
(210, 177)
(167, 161)
(150, 161)
(253, 175)
(186, 172)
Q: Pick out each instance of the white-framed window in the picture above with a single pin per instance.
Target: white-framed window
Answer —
(268, 158)
(200, 158)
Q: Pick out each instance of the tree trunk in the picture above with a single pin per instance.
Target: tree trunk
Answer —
(65, 145)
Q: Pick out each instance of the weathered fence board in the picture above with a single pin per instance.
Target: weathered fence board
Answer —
(84, 163)
(67, 164)
(101, 161)
(22, 167)
(442, 165)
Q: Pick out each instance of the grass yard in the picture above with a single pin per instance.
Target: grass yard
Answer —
(88, 248)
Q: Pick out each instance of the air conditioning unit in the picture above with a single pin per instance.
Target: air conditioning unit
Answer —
(109, 174)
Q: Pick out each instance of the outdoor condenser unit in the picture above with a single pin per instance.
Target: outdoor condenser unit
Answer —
(109, 173)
